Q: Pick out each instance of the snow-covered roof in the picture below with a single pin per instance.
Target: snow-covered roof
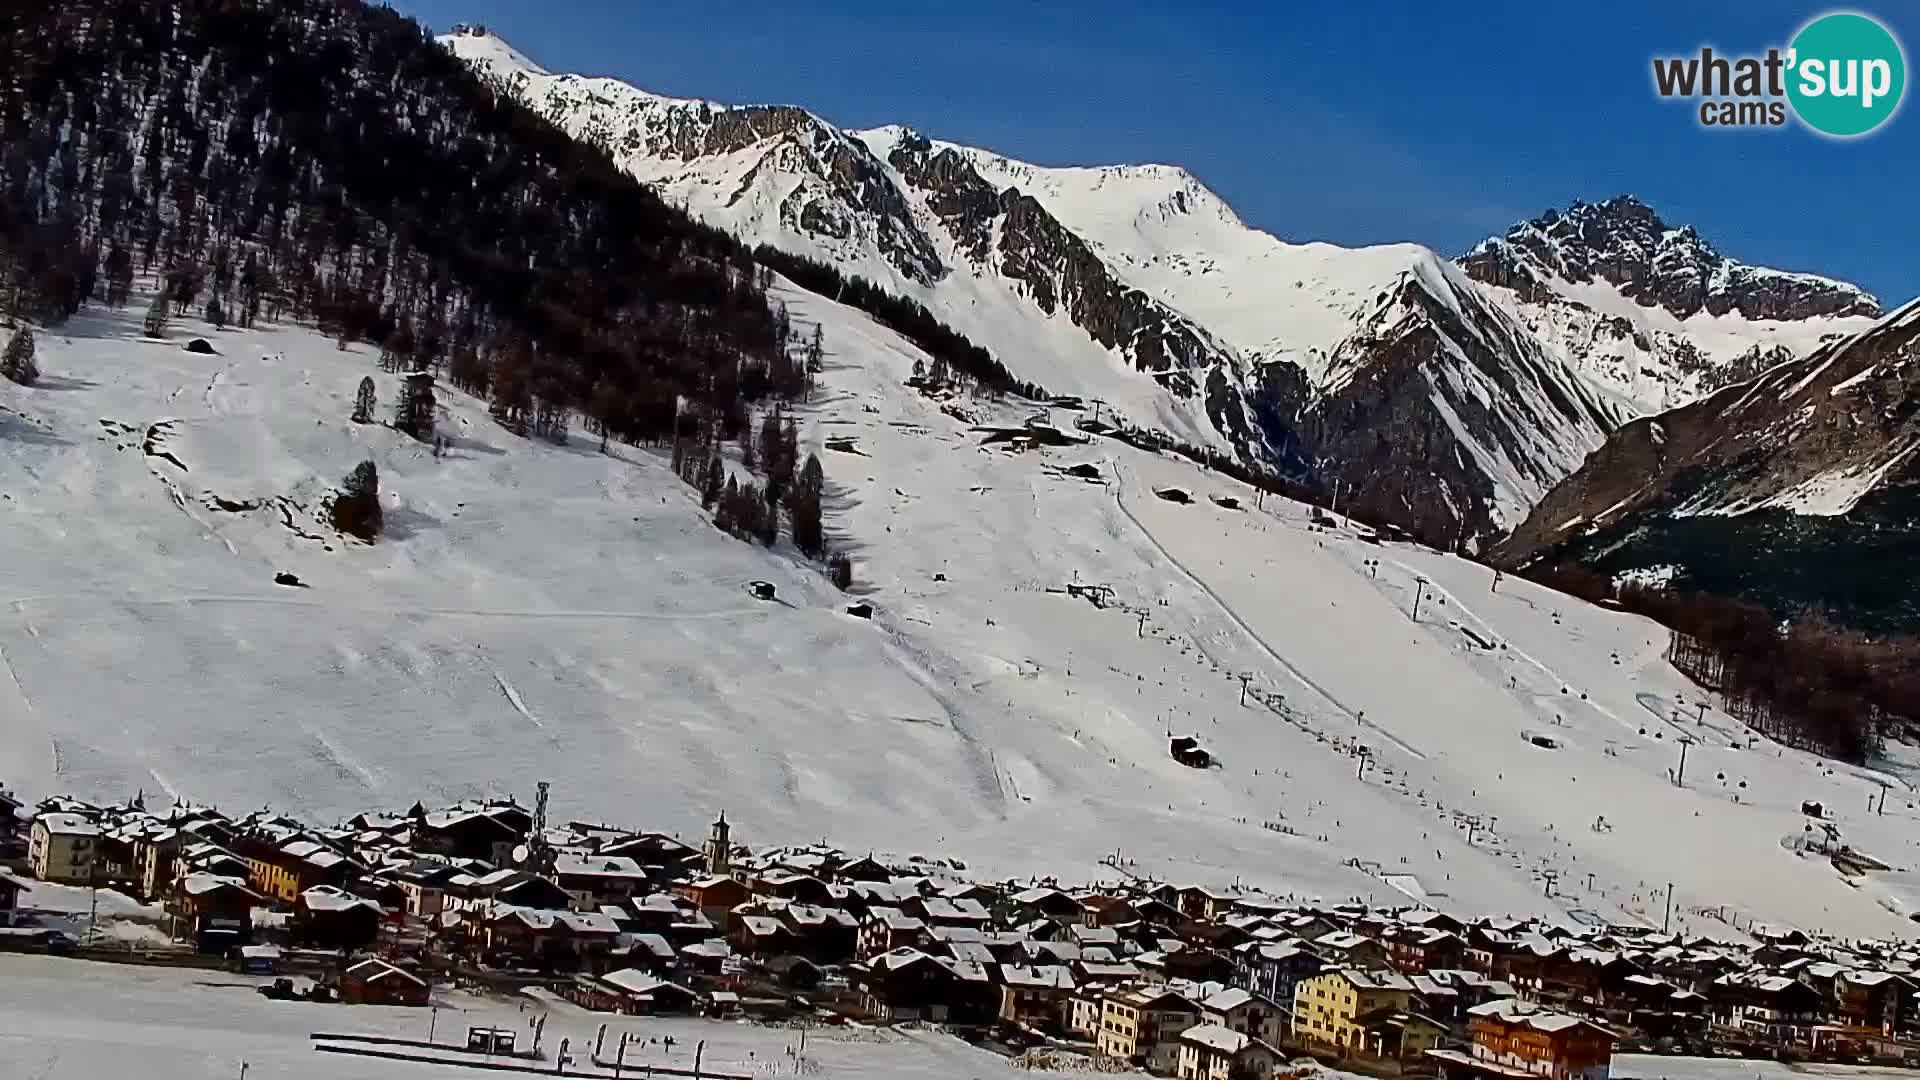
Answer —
(200, 883)
(639, 983)
(654, 945)
(1228, 1000)
(1522, 1014)
(375, 970)
(67, 825)
(972, 953)
(572, 864)
(1049, 976)
(960, 909)
(329, 898)
(1375, 980)
(579, 922)
(1214, 1037)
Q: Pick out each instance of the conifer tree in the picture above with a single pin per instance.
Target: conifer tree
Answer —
(413, 413)
(157, 314)
(17, 362)
(716, 475)
(803, 509)
(363, 402)
(356, 508)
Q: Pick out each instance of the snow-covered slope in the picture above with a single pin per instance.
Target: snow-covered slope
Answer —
(541, 612)
(1137, 287)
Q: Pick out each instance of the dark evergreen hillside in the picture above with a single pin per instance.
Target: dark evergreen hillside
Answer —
(1856, 570)
(905, 317)
(325, 159)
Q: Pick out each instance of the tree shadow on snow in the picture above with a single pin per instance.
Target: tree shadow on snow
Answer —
(405, 523)
(19, 430)
(836, 502)
(94, 322)
(467, 444)
(62, 383)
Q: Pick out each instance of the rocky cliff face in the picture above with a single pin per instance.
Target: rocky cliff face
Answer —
(1009, 233)
(1441, 414)
(1798, 487)
(1624, 242)
(1651, 311)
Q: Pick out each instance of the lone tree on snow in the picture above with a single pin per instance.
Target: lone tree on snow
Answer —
(17, 362)
(356, 509)
(363, 402)
(413, 413)
(817, 351)
(840, 570)
(803, 509)
(157, 313)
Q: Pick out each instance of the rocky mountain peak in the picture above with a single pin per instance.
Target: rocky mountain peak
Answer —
(1625, 242)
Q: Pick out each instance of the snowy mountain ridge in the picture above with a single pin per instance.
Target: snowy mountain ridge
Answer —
(1653, 312)
(1138, 287)
(1135, 286)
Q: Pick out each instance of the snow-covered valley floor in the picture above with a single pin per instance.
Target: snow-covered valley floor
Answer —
(74, 1020)
(542, 612)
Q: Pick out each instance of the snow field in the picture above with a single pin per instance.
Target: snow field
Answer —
(542, 612)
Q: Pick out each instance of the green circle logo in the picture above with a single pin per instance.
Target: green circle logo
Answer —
(1847, 74)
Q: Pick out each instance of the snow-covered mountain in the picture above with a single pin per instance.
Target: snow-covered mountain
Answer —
(1796, 488)
(563, 613)
(1138, 287)
(1447, 402)
(1652, 312)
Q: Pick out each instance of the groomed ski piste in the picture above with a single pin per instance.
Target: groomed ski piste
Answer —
(555, 612)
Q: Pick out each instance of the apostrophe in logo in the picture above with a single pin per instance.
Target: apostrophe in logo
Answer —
(1843, 75)
(1848, 74)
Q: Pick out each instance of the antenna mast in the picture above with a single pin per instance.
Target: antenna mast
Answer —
(540, 855)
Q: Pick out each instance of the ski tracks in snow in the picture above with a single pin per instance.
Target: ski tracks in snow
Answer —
(13, 699)
(1526, 657)
(1234, 617)
(513, 698)
(342, 761)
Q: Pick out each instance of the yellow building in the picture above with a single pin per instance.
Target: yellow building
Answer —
(274, 879)
(1326, 1006)
(62, 848)
(1143, 1026)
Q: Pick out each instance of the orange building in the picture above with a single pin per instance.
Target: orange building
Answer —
(1515, 1040)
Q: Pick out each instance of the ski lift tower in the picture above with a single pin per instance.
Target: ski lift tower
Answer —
(537, 855)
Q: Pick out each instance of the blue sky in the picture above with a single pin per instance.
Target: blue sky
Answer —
(1356, 122)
